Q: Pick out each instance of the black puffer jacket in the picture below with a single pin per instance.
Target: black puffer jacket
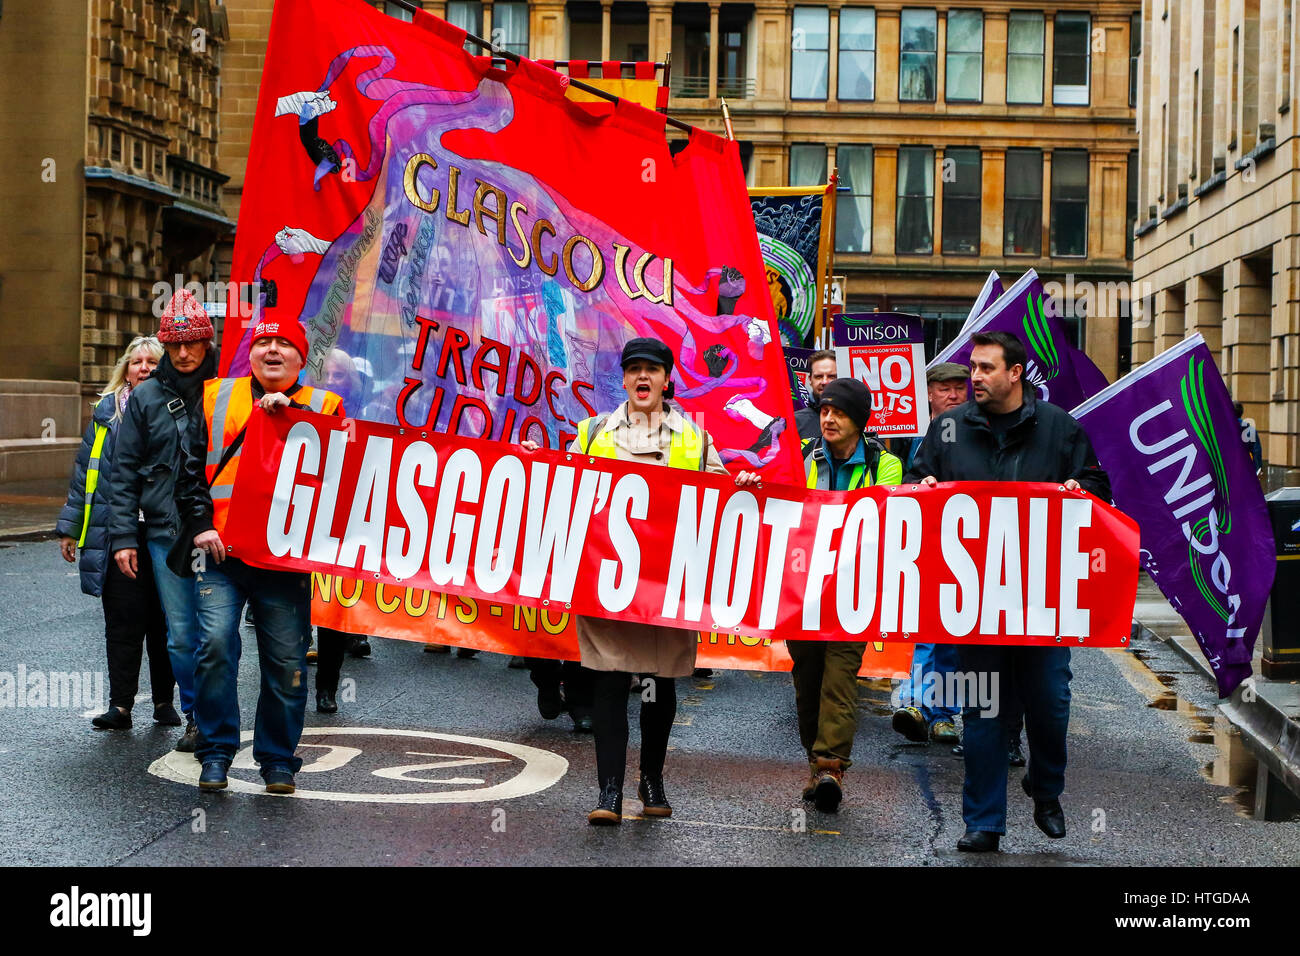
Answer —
(148, 455)
(1044, 444)
(93, 562)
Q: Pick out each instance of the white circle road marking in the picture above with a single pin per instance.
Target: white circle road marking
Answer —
(542, 769)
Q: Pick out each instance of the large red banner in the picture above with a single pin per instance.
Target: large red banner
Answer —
(991, 563)
(468, 248)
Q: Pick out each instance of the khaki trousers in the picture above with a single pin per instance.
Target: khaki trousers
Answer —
(826, 695)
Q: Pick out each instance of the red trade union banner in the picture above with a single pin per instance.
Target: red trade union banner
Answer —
(991, 563)
(886, 350)
(469, 250)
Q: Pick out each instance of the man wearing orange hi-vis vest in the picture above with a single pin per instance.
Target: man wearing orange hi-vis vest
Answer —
(281, 600)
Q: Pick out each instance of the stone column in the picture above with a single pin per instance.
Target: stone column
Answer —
(832, 57)
(993, 191)
(546, 31)
(888, 25)
(1282, 449)
(713, 51)
(772, 31)
(769, 164)
(1170, 321)
(661, 32)
(1204, 311)
(940, 60)
(1247, 323)
(995, 59)
(1046, 250)
(884, 203)
(936, 219)
(1049, 37)
(605, 27)
(1143, 330)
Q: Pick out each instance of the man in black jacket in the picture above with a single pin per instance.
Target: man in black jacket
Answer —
(1006, 434)
(147, 460)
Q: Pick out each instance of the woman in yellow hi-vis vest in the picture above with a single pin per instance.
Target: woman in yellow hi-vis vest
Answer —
(647, 430)
(133, 614)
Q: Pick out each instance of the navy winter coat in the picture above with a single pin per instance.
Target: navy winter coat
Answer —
(94, 558)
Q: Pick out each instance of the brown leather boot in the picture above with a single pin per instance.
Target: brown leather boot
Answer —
(812, 779)
(828, 786)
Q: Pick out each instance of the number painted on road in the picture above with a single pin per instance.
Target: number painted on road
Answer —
(508, 769)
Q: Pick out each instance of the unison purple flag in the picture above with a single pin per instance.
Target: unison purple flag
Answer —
(989, 293)
(1167, 436)
(1062, 374)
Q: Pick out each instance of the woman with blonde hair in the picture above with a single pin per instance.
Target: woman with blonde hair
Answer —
(133, 616)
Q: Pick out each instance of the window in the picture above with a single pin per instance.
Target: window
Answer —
(510, 27)
(1069, 231)
(810, 44)
(1025, 58)
(853, 209)
(914, 228)
(1022, 221)
(962, 193)
(807, 165)
(1131, 207)
(468, 15)
(965, 60)
(1070, 59)
(918, 55)
(732, 57)
(1134, 51)
(394, 10)
(857, 75)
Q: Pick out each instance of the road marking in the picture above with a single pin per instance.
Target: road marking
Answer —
(541, 769)
(457, 760)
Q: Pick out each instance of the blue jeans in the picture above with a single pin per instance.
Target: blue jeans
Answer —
(1040, 678)
(281, 605)
(937, 659)
(177, 597)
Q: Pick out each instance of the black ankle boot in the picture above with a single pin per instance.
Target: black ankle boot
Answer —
(654, 801)
(609, 808)
(325, 702)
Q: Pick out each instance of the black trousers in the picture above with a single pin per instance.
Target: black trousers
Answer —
(134, 621)
(578, 681)
(609, 722)
(330, 645)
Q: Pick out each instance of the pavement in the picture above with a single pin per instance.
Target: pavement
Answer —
(438, 760)
(1263, 713)
(30, 508)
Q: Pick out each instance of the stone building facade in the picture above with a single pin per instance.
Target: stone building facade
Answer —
(110, 115)
(1219, 194)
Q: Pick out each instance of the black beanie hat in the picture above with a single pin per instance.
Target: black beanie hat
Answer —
(851, 397)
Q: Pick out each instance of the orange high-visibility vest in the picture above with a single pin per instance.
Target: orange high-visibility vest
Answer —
(227, 405)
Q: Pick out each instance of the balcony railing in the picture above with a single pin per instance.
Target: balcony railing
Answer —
(733, 87)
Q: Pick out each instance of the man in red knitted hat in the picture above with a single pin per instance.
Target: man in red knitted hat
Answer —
(146, 461)
(281, 600)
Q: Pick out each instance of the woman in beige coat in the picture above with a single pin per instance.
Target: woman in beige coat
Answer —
(647, 430)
